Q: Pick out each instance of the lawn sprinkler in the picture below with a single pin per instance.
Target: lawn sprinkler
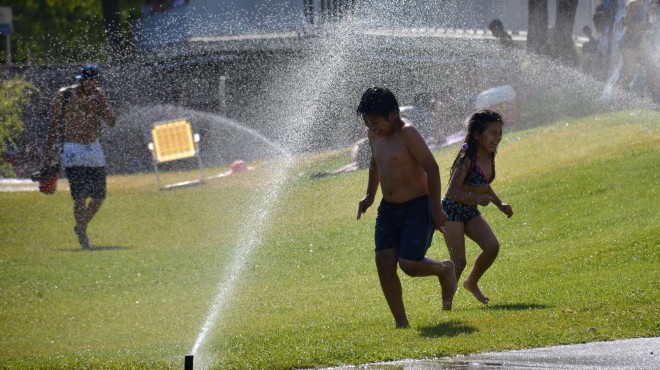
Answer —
(188, 363)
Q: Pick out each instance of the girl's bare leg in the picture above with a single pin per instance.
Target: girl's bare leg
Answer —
(480, 232)
(455, 239)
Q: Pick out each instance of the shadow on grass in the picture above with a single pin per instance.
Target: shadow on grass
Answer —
(515, 307)
(98, 248)
(446, 329)
(107, 248)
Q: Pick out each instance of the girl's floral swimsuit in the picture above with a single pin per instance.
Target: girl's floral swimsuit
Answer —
(459, 212)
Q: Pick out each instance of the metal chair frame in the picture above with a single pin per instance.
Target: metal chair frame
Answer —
(174, 140)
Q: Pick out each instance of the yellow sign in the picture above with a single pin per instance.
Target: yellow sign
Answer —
(173, 140)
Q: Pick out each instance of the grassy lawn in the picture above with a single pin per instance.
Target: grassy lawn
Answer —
(579, 262)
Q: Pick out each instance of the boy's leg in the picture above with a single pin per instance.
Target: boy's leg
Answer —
(455, 239)
(444, 270)
(479, 230)
(386, 261)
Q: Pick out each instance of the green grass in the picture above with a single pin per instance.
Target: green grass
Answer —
(579, 262)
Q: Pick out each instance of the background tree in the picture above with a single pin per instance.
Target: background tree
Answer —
(66, 31)
(116, 46)
(537, 25)
(14, 94)
(562, 46)
(556, 42)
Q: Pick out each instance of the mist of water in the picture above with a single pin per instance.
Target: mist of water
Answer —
(323, 69)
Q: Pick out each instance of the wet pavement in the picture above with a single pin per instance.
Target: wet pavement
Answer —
(640, 353)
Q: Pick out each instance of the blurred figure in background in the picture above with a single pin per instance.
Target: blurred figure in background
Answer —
(77, 111)
(640, 72)
(497, 28)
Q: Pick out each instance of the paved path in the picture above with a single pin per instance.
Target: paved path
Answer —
(638, 354)
(13, 185)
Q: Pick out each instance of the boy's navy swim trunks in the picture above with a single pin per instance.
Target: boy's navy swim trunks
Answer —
(407, 226)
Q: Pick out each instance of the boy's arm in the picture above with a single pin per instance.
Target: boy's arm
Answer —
(372, 187)
(53, 128)
(374, 178)
(422, 154)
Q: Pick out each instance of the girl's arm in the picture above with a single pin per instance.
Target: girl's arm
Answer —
(455, 191)
(496, 199)
(505, 208)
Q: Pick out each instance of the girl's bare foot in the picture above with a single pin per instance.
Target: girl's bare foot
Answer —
(448, 284)
(474, 289)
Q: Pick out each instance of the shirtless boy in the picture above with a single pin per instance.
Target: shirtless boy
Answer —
(410, 210)
(77, 111)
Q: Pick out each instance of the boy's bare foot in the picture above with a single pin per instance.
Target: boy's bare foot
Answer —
(474, 289)
(402, 325)
(82, 238)
(448, 284)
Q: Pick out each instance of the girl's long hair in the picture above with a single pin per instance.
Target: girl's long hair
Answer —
(478, 123)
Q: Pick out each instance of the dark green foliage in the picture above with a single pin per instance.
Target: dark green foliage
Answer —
(14, 95)
(62, 31)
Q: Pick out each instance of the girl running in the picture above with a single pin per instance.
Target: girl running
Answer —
(471, 175)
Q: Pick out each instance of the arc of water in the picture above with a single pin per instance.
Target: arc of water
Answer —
(238, 126)
(253, 234)
(252, 237)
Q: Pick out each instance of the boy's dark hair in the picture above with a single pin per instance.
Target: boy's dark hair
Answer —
(379, 101)
(478, 123)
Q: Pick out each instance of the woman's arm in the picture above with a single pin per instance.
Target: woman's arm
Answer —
(53, 129)
(105, 106)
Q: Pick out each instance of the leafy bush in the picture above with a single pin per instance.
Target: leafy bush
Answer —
(14, 95)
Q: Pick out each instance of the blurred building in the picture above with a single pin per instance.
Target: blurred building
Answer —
(243, 59)
(167, 22)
